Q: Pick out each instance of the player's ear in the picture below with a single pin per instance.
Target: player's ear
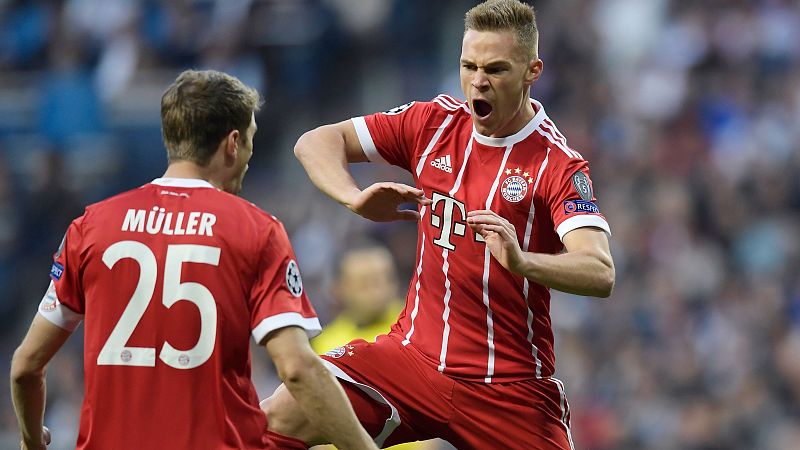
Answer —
(231, 146)
(535, 67)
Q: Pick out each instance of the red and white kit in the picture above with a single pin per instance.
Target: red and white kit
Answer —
(466, 315)
(172, 279)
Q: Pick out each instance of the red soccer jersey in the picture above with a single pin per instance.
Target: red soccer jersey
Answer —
(171, 280)
(464, 312)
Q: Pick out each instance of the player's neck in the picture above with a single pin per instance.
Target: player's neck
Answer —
(188, 169)
(524, 115)
(518, 121)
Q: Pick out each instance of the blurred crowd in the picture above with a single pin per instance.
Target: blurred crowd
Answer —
(689, 113)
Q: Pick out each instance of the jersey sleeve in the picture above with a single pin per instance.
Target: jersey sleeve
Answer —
(277, 297)
(63, 303)
(571, 198)
(391, 136)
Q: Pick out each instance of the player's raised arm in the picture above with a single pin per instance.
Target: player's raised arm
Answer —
(586, 268)
(315, 389)
(325, 153)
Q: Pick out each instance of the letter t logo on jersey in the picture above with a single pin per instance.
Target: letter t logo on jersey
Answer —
(445, 221)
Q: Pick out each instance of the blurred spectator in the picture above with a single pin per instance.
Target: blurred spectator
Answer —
(365, 289)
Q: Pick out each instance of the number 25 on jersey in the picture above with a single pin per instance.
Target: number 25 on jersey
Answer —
(115, 352)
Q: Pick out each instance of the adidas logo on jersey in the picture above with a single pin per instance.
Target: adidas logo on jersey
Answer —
(443, 163)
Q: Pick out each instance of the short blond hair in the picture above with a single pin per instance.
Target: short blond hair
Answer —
(506, 15)
(199, 109)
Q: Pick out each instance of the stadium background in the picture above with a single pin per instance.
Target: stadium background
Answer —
(689, 113)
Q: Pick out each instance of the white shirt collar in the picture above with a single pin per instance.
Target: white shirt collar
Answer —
(517, 137)
(183, 182)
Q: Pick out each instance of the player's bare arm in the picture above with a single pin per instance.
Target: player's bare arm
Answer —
(325, 153)
(586, 268)
(315, 389)
(28, 379)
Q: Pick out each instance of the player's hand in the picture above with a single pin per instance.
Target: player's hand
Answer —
(46, 437)
(500, 236)
(381, 201)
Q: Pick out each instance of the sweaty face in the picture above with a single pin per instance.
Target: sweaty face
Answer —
(495, 77)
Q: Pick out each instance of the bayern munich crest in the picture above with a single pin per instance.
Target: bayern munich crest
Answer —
(514, 188)
(338, 352)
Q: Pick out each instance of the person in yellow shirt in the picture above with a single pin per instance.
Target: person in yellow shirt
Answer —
(365, 288)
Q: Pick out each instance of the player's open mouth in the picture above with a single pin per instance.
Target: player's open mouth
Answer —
(482, 108)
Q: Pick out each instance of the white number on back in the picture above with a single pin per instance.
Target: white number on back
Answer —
(115, 352)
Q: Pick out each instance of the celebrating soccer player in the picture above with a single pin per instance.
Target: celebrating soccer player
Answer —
(172, 279)
(506, 212)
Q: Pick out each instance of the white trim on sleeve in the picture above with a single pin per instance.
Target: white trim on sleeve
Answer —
(367, 144)
(57, 313)
(309, 324)
(581, 221)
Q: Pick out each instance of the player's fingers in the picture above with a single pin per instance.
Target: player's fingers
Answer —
(412, 197)
(487, 216)
(476, 227)
(483, 228)
(482, 212)
(400, 188)
(480, 229)
(483, 218)
(407, 214)
(499, 229)
(411, 193)
(46, 434)
(499, 220)
(403, 193)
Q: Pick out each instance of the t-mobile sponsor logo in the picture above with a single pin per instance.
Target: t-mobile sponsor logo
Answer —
(445, 221)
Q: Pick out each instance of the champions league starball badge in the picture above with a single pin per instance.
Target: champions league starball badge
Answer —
(398, 109)
(514, 188)
(293, 280)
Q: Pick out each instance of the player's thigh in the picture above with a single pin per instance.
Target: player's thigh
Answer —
(285, 416)
(524, 415)
(413, 399)
(396, 397)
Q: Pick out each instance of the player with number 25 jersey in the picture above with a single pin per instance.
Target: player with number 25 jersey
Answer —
(149, 358)
(172, 279)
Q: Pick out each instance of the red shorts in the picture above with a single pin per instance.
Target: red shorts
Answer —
(401, 398)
